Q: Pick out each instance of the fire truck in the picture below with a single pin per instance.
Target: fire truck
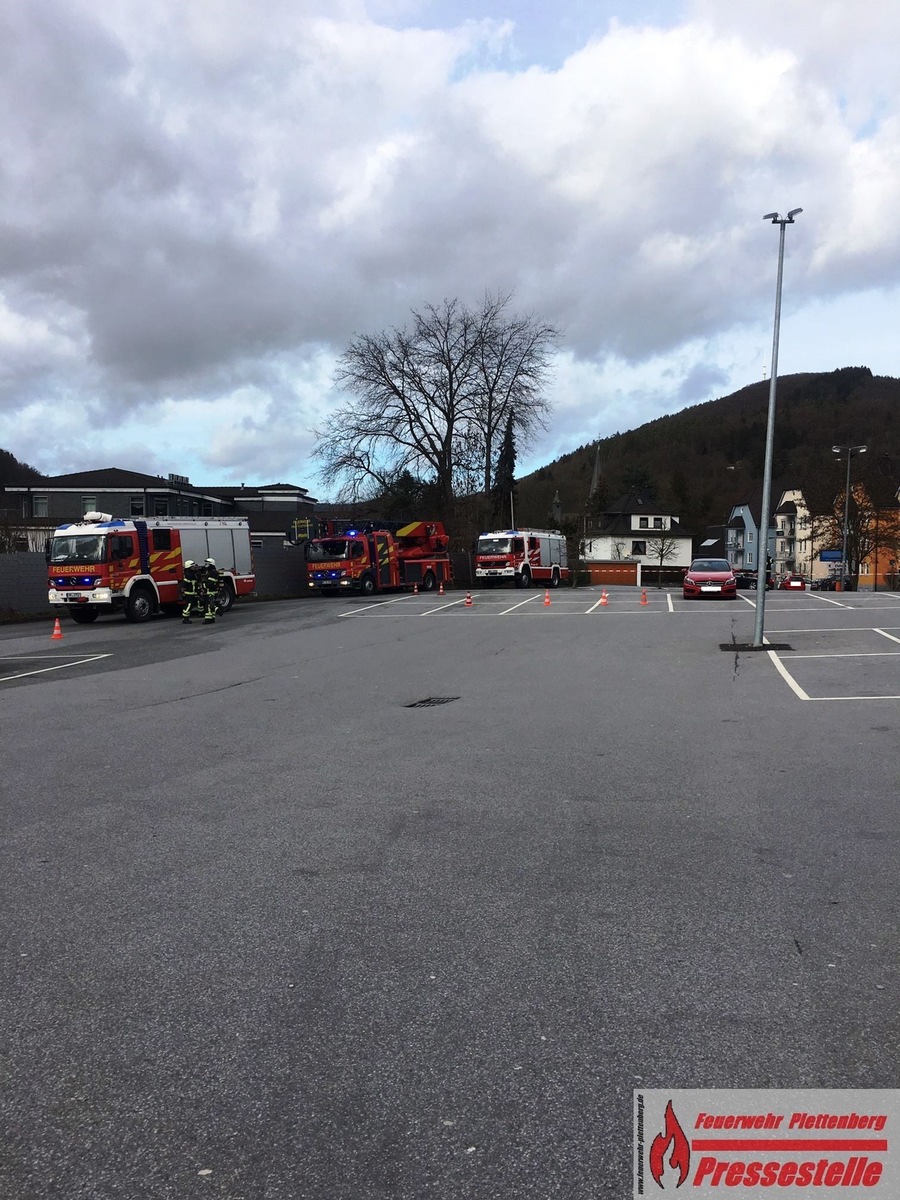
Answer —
(102, 563)
(376, 556)
(522, 557)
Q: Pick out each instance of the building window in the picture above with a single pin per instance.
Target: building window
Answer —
(40, 506)
(88, 504)
(643, 522)
(160, 506)
(657, 523)
(638, 547)
(206, 508)
(137, 506)
(749, 535)
(749, 558)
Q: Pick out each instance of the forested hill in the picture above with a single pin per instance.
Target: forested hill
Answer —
(700, 461)
(14, 472)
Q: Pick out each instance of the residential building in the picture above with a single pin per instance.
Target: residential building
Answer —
(796, 549)
(743, 537)
(275, 512)
(637, 529)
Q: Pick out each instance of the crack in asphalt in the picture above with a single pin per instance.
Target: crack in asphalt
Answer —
(208, 692)
(737, 655)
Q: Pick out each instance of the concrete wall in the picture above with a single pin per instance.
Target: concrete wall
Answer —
(23, 584)
(280, 572)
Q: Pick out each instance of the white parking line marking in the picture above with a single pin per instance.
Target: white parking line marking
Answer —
(887, 635)
(441, 607)
(43, 670)
(515, 606)
(747, 600)
(786, 675)
(828, 600)
(354, 612)
(827, 629)
(669, 599)
(854, 654)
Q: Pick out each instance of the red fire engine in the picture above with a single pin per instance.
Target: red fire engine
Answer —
(377, 556)
(522, 557)
(99, 564)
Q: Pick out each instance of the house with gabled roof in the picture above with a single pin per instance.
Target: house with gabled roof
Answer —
(633, 528)
(743, 536)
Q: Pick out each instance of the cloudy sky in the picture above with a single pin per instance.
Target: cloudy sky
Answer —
(202, 201)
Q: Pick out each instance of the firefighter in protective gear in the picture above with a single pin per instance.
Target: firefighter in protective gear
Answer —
(209, 585)
(190, 591)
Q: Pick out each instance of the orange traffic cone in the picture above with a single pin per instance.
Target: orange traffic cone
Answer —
(547, 597)
(644, 597)
(468, 600)
(57, 634)
(603, 599)
(441, 589)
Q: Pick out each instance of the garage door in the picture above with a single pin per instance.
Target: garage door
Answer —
(614, 572)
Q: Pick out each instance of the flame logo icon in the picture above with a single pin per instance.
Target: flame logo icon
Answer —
(680, 1158)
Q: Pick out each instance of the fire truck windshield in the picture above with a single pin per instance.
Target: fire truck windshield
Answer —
(494, 546)
(83, 548)
(329, 549)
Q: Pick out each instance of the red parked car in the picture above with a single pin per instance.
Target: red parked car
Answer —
(793, 583)
(709, 577)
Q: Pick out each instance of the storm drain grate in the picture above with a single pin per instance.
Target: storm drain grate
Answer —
(431, 702)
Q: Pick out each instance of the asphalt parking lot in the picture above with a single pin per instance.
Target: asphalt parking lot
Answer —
(278, 925)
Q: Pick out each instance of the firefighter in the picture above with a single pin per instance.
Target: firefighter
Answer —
(209, 588)
(190, 591)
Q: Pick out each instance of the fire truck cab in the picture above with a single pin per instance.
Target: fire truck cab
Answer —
(522, 557)
(376, 556)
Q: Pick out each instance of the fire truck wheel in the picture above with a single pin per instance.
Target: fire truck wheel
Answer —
(367, 586)
(84, 616)
(429, 583)
(139, 605)
(524, 580)
(225, 598)
(554, 579)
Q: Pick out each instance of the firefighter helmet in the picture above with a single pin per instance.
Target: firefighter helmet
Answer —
(210, 562)
(188, 564)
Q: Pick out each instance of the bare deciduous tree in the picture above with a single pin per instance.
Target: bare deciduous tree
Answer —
(513, 370)
(430, 400)
(661, 548)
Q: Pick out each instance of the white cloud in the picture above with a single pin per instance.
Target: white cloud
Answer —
(202, 207)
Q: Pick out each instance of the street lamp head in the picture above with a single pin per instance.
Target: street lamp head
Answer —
(777, 219)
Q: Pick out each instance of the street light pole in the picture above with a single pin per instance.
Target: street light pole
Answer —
(762, 550)
(849, 451)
